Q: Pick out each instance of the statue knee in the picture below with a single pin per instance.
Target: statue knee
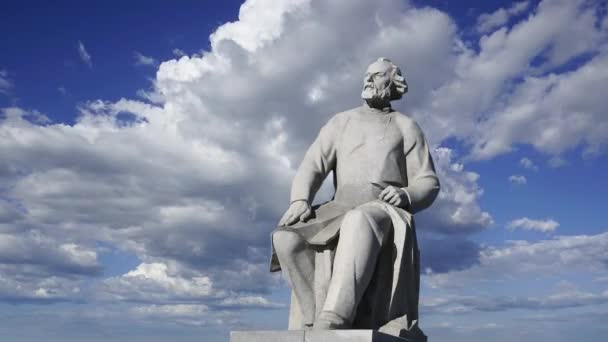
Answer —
(287, 243)
(354, 220)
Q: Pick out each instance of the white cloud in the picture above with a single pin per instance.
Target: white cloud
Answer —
(153, 282)
(144, 60)
(250, 302)
(545, 226)
(193, 183)
(6, 85)
(489, 21)
(195, 315)
(552, 113)
(178, 52)
(179, 310)
(462, 304)
(24, 284)
(527, 163)
(519, 259)
(456, 209)
(259, 23)
(556, 162)
(197, 180)
(84, 55)
(518, 179)
(514, 90)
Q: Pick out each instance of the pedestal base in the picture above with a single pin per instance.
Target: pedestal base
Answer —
(317, 336)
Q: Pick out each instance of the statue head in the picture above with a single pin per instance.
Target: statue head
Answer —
(383, 82)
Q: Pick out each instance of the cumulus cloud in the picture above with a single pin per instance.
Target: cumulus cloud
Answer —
(457, 209)
(484, 303)
(557, 256)
(27, 284)
(178, 52)
(219, 178)
(85, 57)
(6, 85)
(193, 315)
(250, 302)
(527, 163)
(511, 89)
(545, 226)
(518, 179)
(489, 21)
(153, 282)
(193, 181)
(32, 248)
(144, 60)
(174, 291)
(556, 162)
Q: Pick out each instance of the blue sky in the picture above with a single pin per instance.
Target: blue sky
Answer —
(147, 153)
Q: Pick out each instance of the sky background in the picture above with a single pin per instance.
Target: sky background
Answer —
(147, 151)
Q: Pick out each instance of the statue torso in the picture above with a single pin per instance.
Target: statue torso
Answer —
(370, 149)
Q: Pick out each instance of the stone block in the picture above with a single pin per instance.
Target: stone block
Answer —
(267, 336)
(313, 336)
(349, 336)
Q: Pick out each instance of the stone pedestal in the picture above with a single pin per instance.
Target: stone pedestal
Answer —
(317, 336)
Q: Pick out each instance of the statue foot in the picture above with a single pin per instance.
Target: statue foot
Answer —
(330, 321)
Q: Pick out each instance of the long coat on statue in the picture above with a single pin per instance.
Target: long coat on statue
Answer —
(367, 149)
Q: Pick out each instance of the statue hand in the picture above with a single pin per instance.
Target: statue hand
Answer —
(298, 211)
(394, 195)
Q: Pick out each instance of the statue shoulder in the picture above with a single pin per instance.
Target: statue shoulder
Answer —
(408, 126)
(338, 120)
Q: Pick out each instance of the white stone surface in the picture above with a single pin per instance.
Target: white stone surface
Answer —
(313, 336)
(267, 336)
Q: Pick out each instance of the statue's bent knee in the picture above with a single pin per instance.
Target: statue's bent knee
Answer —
(354, 219)
(366, 221)
(287, 243)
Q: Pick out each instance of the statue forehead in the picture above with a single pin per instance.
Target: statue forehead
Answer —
(378, 66)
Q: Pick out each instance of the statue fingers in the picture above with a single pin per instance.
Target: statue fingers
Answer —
(292, 219)
(394, 199)
(306, 215)
(387, 199)
(389, 194)
(383, 193)
(397, 202)
(283, 219)
(286, 220)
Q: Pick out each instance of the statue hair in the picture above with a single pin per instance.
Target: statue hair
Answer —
(398, 84)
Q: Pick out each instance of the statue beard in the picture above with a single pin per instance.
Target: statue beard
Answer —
(371, 92)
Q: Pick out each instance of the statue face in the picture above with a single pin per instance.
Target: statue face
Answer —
(377, 80)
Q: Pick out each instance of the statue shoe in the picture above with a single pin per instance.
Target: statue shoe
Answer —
(330, 321)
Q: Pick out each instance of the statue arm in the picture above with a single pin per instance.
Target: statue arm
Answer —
(319, 160)
(423, 184)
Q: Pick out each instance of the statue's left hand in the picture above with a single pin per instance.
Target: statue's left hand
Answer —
(299, 210)
(394, 195)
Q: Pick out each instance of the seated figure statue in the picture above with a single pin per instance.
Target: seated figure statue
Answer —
(353, 262)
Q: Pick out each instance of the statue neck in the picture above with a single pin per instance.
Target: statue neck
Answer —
(378, 106)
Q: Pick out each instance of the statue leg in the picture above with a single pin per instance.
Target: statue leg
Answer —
(361, 237)
(297, 262)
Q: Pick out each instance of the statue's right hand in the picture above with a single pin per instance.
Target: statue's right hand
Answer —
(298, 211)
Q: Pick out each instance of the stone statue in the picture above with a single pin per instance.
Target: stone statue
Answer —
(353, 262)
